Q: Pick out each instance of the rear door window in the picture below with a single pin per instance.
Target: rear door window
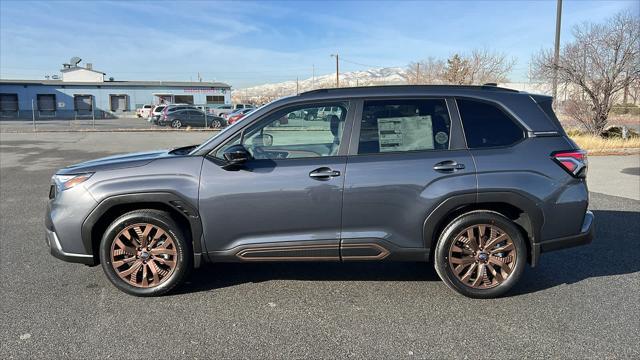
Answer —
(404, 125)
(485, 125)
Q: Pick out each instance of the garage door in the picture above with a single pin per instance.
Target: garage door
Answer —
(82, 103)
(8, 103)
(47, 104)
(119, 103)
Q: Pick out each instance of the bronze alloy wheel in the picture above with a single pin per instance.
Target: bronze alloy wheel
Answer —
(482, 256)
(143, 255)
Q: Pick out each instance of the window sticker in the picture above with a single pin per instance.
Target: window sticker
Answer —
(405, 133)
(442, 137)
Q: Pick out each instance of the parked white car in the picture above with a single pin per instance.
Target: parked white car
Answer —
(145, 111)
(323, 113)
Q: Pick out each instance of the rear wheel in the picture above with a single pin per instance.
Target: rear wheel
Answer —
(481, 254)
(216, 123)
(176, 124)
(144, 253)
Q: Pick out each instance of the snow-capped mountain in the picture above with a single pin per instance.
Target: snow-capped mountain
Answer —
(268, 92)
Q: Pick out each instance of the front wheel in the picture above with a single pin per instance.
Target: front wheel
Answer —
(481, 254)
(176, 124)
(144, 253)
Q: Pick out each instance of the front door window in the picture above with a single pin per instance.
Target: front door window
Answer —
(289, 134)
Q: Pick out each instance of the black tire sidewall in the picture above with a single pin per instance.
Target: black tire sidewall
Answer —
(441, 259)
(158, 218)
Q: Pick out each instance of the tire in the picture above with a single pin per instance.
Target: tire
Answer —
(500, 254)
(163, 268)
(176, 124)
(216, 124)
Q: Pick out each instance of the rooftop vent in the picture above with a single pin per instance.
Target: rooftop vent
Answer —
(89, 66)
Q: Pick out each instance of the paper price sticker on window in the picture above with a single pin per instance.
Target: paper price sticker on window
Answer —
(405, 133)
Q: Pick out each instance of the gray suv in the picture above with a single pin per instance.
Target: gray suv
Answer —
(478, 180)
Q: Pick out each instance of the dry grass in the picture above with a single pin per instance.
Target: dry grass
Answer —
(596, 144)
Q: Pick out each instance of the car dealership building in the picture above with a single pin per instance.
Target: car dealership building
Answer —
(82, 91)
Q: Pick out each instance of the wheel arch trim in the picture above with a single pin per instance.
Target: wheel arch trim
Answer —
(435, 220)
(172, 200)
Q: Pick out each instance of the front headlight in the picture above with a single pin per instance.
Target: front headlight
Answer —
(64, 182)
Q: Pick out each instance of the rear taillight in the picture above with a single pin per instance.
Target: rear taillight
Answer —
(573, 161)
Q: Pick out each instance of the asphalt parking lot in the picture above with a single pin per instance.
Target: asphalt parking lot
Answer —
(578, 303)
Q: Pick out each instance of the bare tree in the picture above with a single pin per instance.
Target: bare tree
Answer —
(478, 67)
(428, 71)
(600, 61)
(488, 67)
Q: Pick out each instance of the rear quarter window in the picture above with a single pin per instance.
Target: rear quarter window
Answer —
(486, 125)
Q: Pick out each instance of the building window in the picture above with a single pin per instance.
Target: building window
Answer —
(215, 99)
(83, 103)
(46, 104)
(8, 104)
(119, 103)
(183, 99)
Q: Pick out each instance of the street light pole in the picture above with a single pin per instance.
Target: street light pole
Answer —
(556, 54)
(337, 56)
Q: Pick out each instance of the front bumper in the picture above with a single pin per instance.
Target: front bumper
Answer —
(63, 218)
(583, 238)
(56, 250)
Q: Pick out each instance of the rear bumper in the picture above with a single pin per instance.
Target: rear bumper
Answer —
(56, 250)
(583, 238)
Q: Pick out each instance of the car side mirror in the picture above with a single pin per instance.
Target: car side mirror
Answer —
(236, 154)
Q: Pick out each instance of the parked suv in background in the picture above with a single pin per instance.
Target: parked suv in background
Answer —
(156, 113)
(477, 179)
(222, 109)
(244, 106)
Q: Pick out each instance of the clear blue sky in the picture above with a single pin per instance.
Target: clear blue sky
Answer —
(248, 43)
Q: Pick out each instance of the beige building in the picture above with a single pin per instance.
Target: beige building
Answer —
(75, 73)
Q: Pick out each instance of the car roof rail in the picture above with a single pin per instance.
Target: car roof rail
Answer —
(487, 86)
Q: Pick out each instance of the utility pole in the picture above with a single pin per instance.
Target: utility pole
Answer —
(556, 54)
(297, 86)
(93, 112)
(33, 115)
(418, 74)
(337, 69)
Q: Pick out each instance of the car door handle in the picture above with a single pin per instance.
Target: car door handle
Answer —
(323, 173)
(448, 166)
